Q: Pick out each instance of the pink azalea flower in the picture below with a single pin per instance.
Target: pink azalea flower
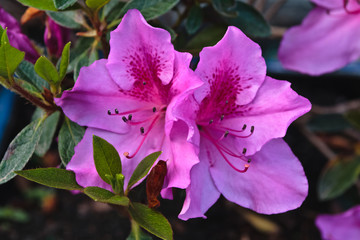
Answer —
(242, 114)
(16, 38)
(129, 100)
(55, 37)
(327, 39)
(340, 226)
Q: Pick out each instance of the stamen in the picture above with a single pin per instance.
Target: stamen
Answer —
(142, 130)
(222, 117)
(130, 117)
(211, 121)
(252, 129)
(226, 133)
(154, 109)
(116, 111)
(244, 151)
(244, 127)
(144, 83)
(124, 119)
(109, 112)
(226, 102)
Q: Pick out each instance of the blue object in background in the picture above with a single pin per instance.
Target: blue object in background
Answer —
(6, 104)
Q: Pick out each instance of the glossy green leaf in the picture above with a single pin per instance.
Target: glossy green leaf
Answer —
(354, 118)
(20, 150)
(10, 58)
(47, 135)
(151, 220)
(26, 72)
(250, 21)
(52, 177)
(112, 9)
(63, 4)
(69, 136)
(225, 7)
(338, 177)
(86, 59)
(142, 169)
(208, 36)
(194, 20)
(47, 70)
(30, 88)
(64, 62)
(69, 19)
(81, 49)
(96, 4)
(39, 4)
(107, 159)
(105, 196)
(136, 233)
(150, 9)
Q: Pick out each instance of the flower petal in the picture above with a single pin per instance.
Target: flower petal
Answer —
(274, 108)
(93, 95)
(233, 67)
(274, 183)
(340, 226)
(145, 53)
(323, 43)
(202, 193)
(8, 21)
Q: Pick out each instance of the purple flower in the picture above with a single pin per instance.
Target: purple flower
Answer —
(340, 226)
(16, 38)
(241, 114)
(55, 37)
(327, 39)
(129, 100)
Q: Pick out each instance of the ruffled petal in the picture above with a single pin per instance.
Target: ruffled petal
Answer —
(274, 108)
(93, 95)
(274, 183)
(323, 43)
(232, 68)
(145, 53)
(340, 226)
(8, 21)
(202, 193)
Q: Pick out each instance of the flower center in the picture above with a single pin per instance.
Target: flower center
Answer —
(217, 133)
(144, 118)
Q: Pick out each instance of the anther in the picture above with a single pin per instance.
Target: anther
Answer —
(109, 112)
(226, 102)
(130, 117)
(144, 83)
(244, 151)
(249, 160)
(154, 109)
(226, 133)
(142, 130)
(244, 127)
(211, 121)
(124, 119)
(252, 129)
(116, 111)
(222, 117)
(126, 154)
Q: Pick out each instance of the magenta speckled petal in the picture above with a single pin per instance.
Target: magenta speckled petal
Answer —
(140, 52)
(323, 43)
(233, 67)
(340, 226)
(275, 181)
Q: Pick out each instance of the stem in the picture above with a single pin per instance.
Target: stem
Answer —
(273, 9)
(260, 5)
(101, 31)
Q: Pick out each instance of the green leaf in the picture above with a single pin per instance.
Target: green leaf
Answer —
(328, 123)
(225, 7)
(63, 4)
(151, 220)
(250, 21)
(112, 9)
(20, 150)
(137, 233)
(69, 136)
(338, 177)
(150, 9)
(142, 169)
(47, 135)
(107, 159)
(39, 4)
(26, 72)
(96, 4)
(208, 36)
(52, 177)
(105, 196)
(67, 19)
(47, 70)
(65, 56)
(4, 37)
(29, 88)
(354, 118)
(10, 58)
(194, 20)
(85, 60)
(82, 47)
